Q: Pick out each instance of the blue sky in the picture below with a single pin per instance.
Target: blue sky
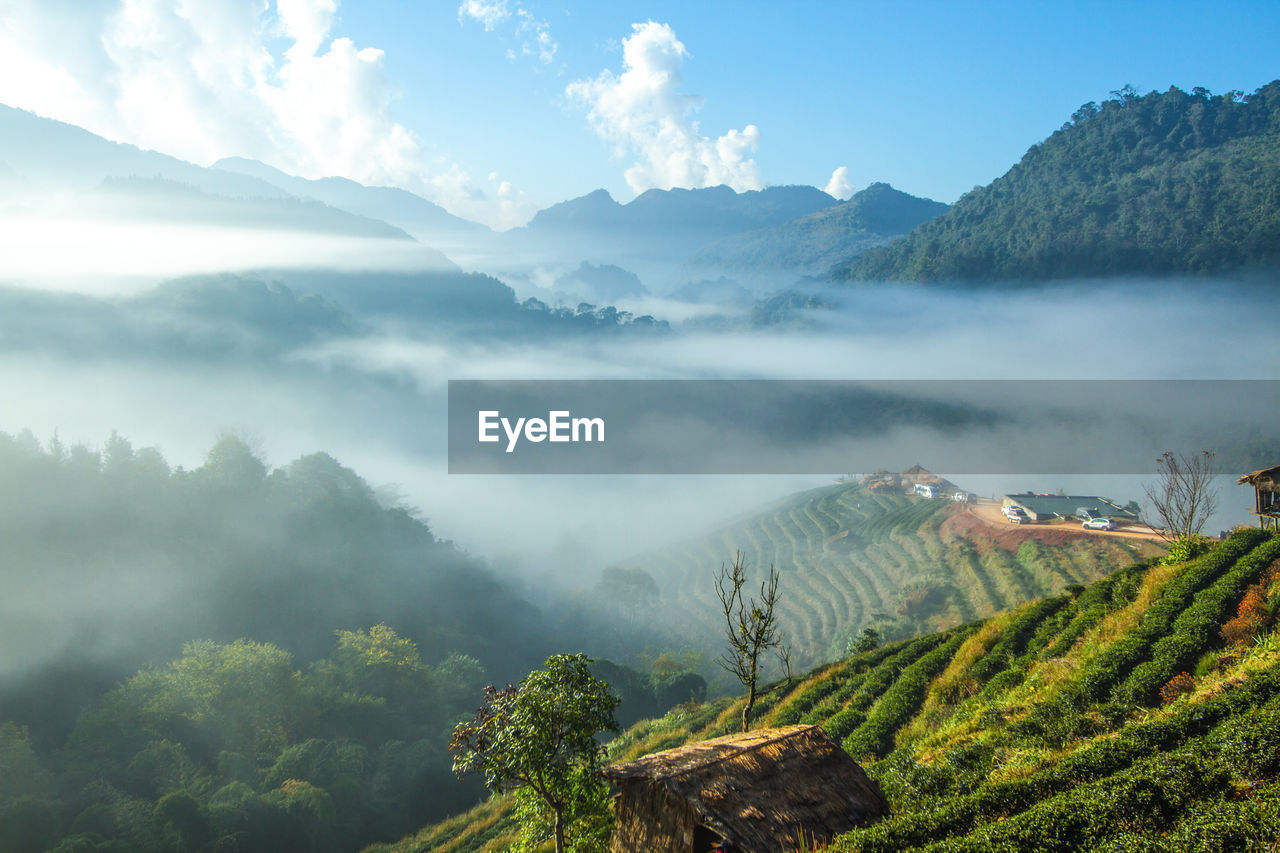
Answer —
(496, 121)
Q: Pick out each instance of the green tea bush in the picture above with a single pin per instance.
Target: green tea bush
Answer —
(1197, 627)
(1187, 548)
(901, 701)
(1251, 743)
(1013, 641)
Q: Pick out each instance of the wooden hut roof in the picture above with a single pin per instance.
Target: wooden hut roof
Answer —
(762, 788)
(1267, 477)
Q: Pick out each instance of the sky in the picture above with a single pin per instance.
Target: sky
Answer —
(498, 108)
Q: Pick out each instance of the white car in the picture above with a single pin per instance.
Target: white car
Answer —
(1099, 524)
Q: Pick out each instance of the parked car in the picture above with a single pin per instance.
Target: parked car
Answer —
(1018, 518)
(1099, 524)
(1011, 511)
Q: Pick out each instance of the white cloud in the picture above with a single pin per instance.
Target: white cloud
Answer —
(839, 186)
(488, 13)
(198, 79)
(643, 112)
(533, 33)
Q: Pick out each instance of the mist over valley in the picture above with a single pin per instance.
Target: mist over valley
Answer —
(245, 602)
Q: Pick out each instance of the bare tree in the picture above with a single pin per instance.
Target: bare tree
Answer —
(1184, 496)
(751, 627)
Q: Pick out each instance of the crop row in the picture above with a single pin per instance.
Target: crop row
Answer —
(1196, 628)
(850, 704)
(900, 701)
(1015, 639)
(1105, 671)
(1102, 758)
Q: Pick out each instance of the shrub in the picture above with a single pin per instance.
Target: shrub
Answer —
(1187, 548)
(1195, 627)
(1250, 744)
(901, 701)
(1180, 685)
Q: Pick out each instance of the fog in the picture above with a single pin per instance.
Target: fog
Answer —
(119, 256)
(371, 391)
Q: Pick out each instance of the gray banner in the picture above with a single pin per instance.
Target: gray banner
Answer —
(828, 427)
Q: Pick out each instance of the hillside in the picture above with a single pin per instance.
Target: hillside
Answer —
(819, 240)
(43, 154)
(657, 226)
(389, 204)
(1155, 184)
(850, 557)
(708, 209)
(1140, 713)
(164, 201)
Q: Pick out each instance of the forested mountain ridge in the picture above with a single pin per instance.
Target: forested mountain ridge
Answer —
(116, 561)
(1141, 712)
(819, 240)
(244, 658)
(1163, 183)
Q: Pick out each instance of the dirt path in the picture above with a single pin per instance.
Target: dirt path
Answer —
(988, 512)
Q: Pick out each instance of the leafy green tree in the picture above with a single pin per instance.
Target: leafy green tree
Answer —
(538, 739)
(867, 641)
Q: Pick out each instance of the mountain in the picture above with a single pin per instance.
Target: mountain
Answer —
(1156, 184)
(820, 240)
(390, 204)
(43, 159)
(46, 154)
(1138, 713)
(675, 211)
(161, 200)
(653, 233)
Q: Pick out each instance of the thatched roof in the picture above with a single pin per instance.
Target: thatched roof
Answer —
(1267, 478)
(763, 788)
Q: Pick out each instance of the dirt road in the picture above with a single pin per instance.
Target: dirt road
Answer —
(988, 512)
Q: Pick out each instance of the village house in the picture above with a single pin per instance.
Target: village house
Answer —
(1266, 485)
(767, 791)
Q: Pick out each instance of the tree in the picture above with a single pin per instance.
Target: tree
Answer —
(1184, 497)
(538, 739)
(751, 627)
(867, 641)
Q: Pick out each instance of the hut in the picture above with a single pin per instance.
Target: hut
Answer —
(1266, 486)
(768, 791)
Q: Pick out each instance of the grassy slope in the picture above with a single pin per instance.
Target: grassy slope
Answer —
(1033, 729)
(849, 558)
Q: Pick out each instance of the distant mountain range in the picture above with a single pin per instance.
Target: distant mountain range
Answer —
(41, 157)
(660, 224)
(390, 204)
(817, 241)
(1156, 184)
(678, 234)
(795, 228)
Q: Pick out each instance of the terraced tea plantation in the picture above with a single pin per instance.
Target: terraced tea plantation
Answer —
(851, 558)
(1140, 713)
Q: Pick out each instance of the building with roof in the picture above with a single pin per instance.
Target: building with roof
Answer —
(1266, 487)
(1042, 507)
(767, 791)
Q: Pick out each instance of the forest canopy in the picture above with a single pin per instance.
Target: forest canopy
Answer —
(1161, 183)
